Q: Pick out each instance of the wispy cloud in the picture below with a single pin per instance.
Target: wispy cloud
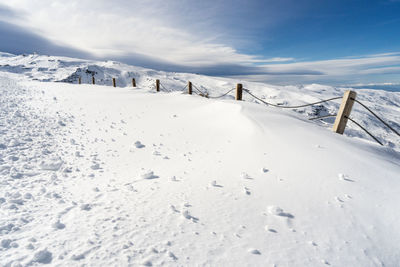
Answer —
(180, 32)
(352, 69)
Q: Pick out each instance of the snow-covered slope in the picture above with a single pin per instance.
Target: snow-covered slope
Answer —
(385, 104)
(96, 175)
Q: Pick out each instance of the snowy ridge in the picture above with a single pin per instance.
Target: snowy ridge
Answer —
(96, 175)
(386, 104)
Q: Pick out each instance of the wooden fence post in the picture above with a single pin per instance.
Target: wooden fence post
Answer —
(239, 91)
(93, 82)
(79, 80)
(190, 88)
(158, 85)
(114, 83)
(344, 112)
(133, 82)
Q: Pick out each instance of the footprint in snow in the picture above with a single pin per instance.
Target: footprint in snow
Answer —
(148, 175)
(174, 179)
(138, 144)
(214, 183)
(86, 207)
(147, 263)
(254, 251)
(269, 229)
(95, 166)
(174, 209)
(338, 199)
(186, 214)
(42, 256)
(277, 211)
(172, 255)
(58, 225)
(247, 191)
(344, 177)
(246, 176)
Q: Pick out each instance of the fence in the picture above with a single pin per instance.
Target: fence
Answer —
(342, 116)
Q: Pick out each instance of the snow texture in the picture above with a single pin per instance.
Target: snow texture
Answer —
(103, 176)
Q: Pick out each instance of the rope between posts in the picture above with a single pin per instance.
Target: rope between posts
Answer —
(165, 88)
(200, 92)
(376, 116)
(208, 96)
(299, 106)
(365, 130)
(323, 117)
(222, 94)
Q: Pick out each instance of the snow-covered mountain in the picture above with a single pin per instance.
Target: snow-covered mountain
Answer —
(95, 175)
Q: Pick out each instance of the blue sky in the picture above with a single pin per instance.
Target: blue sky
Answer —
(285, 42)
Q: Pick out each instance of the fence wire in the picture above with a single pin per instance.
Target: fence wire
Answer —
(365, 130)
(376, 116)
(200, 93)
(166, 90)
(215, 97)
(205, 94)
(323, 117)
(291, 107)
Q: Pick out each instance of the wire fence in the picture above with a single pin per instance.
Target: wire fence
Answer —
(332, 115)
(365, 130)
(376, 116)
(291, 107)
(205, 93)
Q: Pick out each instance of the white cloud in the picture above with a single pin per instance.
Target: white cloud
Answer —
(370, 64)
(117, 28)
(368, 68)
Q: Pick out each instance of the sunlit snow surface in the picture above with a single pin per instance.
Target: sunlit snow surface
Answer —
(386, 104)
(96, 175)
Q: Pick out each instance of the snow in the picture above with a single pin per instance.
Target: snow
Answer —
(130, 177)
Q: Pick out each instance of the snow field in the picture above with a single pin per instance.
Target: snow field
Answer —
(97, 175)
